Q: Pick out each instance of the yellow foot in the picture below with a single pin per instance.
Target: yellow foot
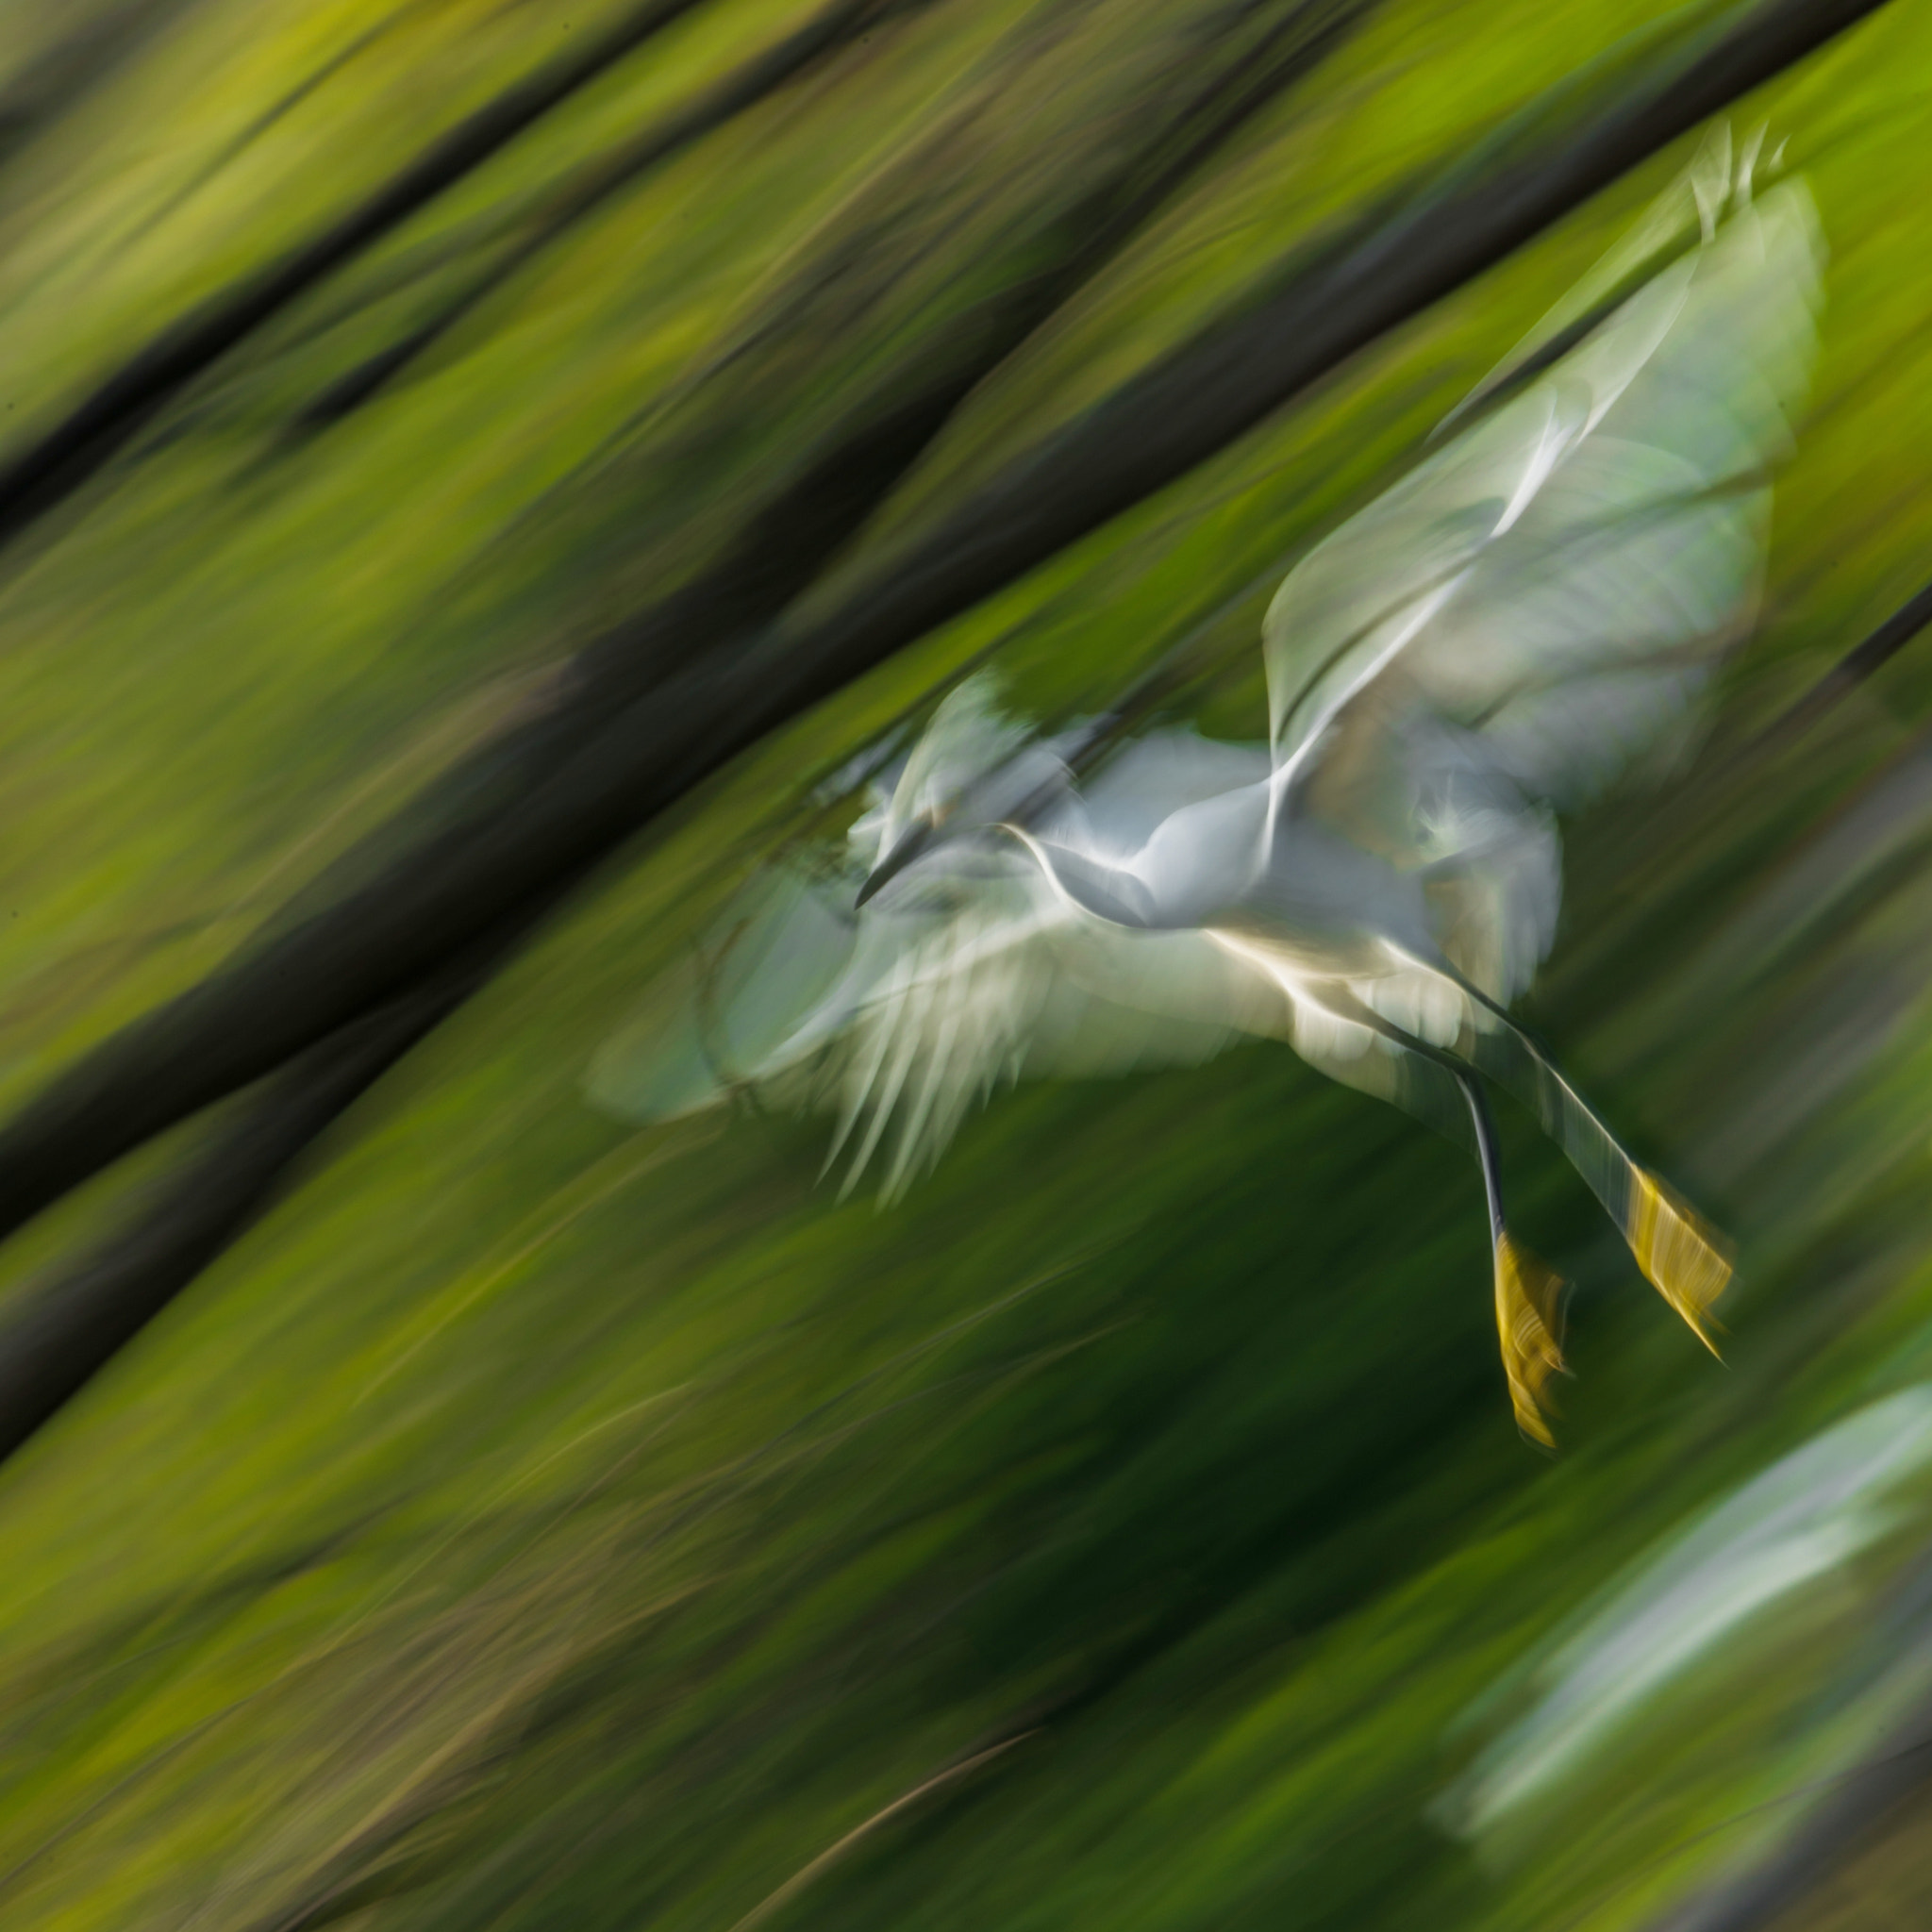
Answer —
(1529, 1323)
(1680, 1251)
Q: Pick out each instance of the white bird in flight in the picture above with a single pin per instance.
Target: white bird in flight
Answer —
(1493, 640)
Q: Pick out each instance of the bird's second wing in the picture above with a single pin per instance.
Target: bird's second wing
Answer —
(1535, 608)
(1542, 597)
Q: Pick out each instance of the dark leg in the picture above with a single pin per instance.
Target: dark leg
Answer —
(1528, 1297)
(1427, 1081)
(1682, 1256)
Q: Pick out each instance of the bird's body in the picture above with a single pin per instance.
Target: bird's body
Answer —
(1493, 640)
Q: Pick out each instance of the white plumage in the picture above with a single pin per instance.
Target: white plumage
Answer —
(1494, 639)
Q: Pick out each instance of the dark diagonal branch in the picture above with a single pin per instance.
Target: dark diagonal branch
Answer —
(58, 78)
(290, 100)
(61, 458)
(1192, 404)
(991, 303)
(61, 1330)
(1870, 655)
(70, 1328)
(601, 180)
(629, 761)
(1255, 53)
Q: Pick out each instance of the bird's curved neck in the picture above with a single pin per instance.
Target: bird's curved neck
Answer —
(1084, 883)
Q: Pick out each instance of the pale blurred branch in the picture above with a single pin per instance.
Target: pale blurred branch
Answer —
(1864, 1803)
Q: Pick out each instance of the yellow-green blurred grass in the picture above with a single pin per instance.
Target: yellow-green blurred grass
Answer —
(599, 1525)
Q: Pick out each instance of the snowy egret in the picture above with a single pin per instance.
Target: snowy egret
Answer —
(1490, 642)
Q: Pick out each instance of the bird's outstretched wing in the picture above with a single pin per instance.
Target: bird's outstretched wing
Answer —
(970, 971)
(1529, 610)
(710, 1026)
(1005, 982)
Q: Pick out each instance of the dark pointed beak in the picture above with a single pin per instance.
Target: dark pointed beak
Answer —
(913, 841)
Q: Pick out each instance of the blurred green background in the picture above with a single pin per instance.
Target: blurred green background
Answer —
(537, 1523)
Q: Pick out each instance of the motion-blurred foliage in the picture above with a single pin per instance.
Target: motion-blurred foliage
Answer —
(536, 1523)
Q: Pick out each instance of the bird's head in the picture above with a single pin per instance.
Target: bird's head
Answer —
(972, 769)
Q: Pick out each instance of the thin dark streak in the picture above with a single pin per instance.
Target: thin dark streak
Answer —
(61, 458)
